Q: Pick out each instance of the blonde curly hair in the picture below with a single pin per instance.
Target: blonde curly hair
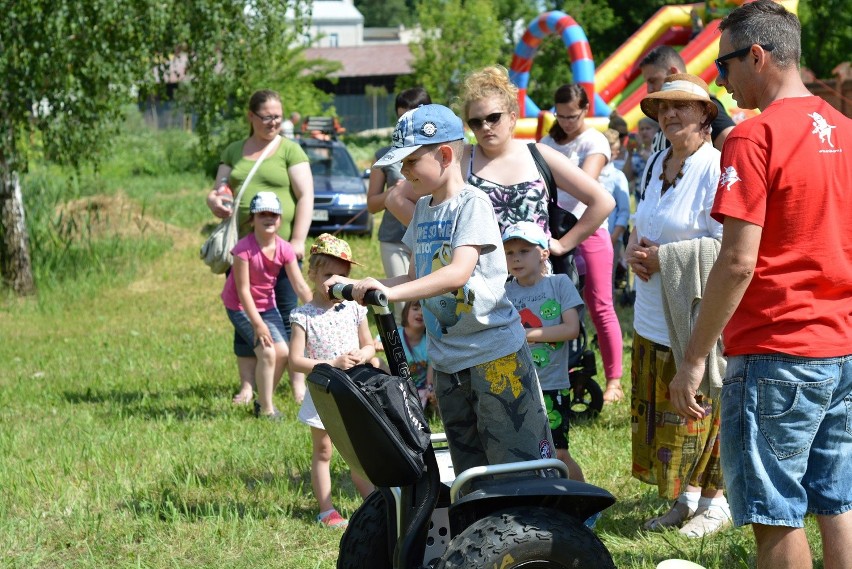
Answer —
(489, 82)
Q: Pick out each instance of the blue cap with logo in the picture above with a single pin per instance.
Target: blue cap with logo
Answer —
(427, 124)
(529, 232)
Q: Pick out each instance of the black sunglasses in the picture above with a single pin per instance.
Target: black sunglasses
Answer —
(491, 120)
(722, 67)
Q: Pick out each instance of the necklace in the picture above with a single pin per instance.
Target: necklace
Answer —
(670, 184)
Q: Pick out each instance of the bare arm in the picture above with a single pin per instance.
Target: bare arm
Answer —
(214, 199)
(567, 330)
(302, 182)
(720, 139)
(365, 339)
(400, 201)
(583, 187)
(303, 291)
(375, 191)
(405, 288)
(726, 285)
(593, 164)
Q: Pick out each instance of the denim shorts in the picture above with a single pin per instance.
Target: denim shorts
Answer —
(787, 438)
(286, 300)
(245, 330)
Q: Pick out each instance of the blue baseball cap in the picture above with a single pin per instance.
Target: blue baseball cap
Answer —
(427, 124)
(529, 232)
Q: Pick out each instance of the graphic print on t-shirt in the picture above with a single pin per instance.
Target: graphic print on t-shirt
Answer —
(822, 128)
(435, 250)
(728, 178)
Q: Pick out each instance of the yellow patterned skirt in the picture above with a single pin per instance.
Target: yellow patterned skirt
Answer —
(668, 450)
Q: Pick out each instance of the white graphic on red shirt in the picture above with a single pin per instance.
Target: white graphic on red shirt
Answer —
(822, 128)
(728, 178)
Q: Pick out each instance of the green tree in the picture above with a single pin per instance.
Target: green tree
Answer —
(384, 13)
(826, 34)
(69, 67)
(458, 37)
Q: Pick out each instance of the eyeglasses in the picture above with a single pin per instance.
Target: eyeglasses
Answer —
(722, 67)
(268, 119)
(570, 118)
(490, 120)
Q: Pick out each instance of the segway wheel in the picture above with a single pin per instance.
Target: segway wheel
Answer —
(364, 544)
(526, 538)
(587, 400)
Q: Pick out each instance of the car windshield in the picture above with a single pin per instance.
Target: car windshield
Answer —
(331, 161)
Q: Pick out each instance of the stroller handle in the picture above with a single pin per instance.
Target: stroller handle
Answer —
(373, 297)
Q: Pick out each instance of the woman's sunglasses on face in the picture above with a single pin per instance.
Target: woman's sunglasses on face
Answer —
(722, 67)
(490, 120)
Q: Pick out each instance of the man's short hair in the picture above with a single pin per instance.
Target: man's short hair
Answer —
(766, 22)
(664, 57)
(412, 98)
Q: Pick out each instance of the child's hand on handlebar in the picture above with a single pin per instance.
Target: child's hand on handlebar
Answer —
(333, 281)
(364, 286)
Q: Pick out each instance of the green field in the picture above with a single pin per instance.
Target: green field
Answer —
(120, 446)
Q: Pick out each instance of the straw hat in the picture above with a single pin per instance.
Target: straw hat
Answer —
(680, 87)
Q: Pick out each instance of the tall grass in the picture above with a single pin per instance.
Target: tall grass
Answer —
(120, 446)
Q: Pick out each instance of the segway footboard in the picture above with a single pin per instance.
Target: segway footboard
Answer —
(372, 421)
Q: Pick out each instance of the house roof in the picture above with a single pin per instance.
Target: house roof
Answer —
(327, 12)
(366, 60)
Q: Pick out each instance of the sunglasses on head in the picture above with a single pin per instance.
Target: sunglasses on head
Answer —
(490, 120)
(722, 67)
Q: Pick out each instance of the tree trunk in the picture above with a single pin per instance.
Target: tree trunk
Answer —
(15, 263)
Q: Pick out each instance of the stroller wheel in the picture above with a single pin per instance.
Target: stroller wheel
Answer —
(587, 401)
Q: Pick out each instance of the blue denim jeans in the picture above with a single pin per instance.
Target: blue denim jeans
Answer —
(286, 300)
(244, 329)
(786, 438)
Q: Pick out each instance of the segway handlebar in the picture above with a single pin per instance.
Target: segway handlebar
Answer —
(344, 292)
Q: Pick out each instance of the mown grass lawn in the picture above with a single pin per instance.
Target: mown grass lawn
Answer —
(119, 446)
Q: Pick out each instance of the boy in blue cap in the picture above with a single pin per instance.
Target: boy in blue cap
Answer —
(485, 381)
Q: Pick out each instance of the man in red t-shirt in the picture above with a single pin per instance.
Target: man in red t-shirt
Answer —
(782, 290)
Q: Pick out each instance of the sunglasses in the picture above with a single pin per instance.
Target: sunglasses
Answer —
(490, 120)
(722, 67)
(269, 119)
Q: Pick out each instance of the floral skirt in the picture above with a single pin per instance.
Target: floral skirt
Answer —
(668, 450)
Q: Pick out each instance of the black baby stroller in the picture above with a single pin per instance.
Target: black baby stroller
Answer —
(422, 516)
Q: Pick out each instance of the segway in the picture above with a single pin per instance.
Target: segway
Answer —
(522, 514)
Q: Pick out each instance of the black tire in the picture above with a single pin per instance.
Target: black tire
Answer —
(364, 544)
(528, 538)
(587, 400)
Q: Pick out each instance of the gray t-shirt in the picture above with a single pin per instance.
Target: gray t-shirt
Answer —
(391, 229)
(475, 324)
(541, 305)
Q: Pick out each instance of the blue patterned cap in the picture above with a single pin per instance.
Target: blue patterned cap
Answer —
(427, 124)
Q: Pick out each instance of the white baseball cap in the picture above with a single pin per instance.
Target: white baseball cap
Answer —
(265, 201)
